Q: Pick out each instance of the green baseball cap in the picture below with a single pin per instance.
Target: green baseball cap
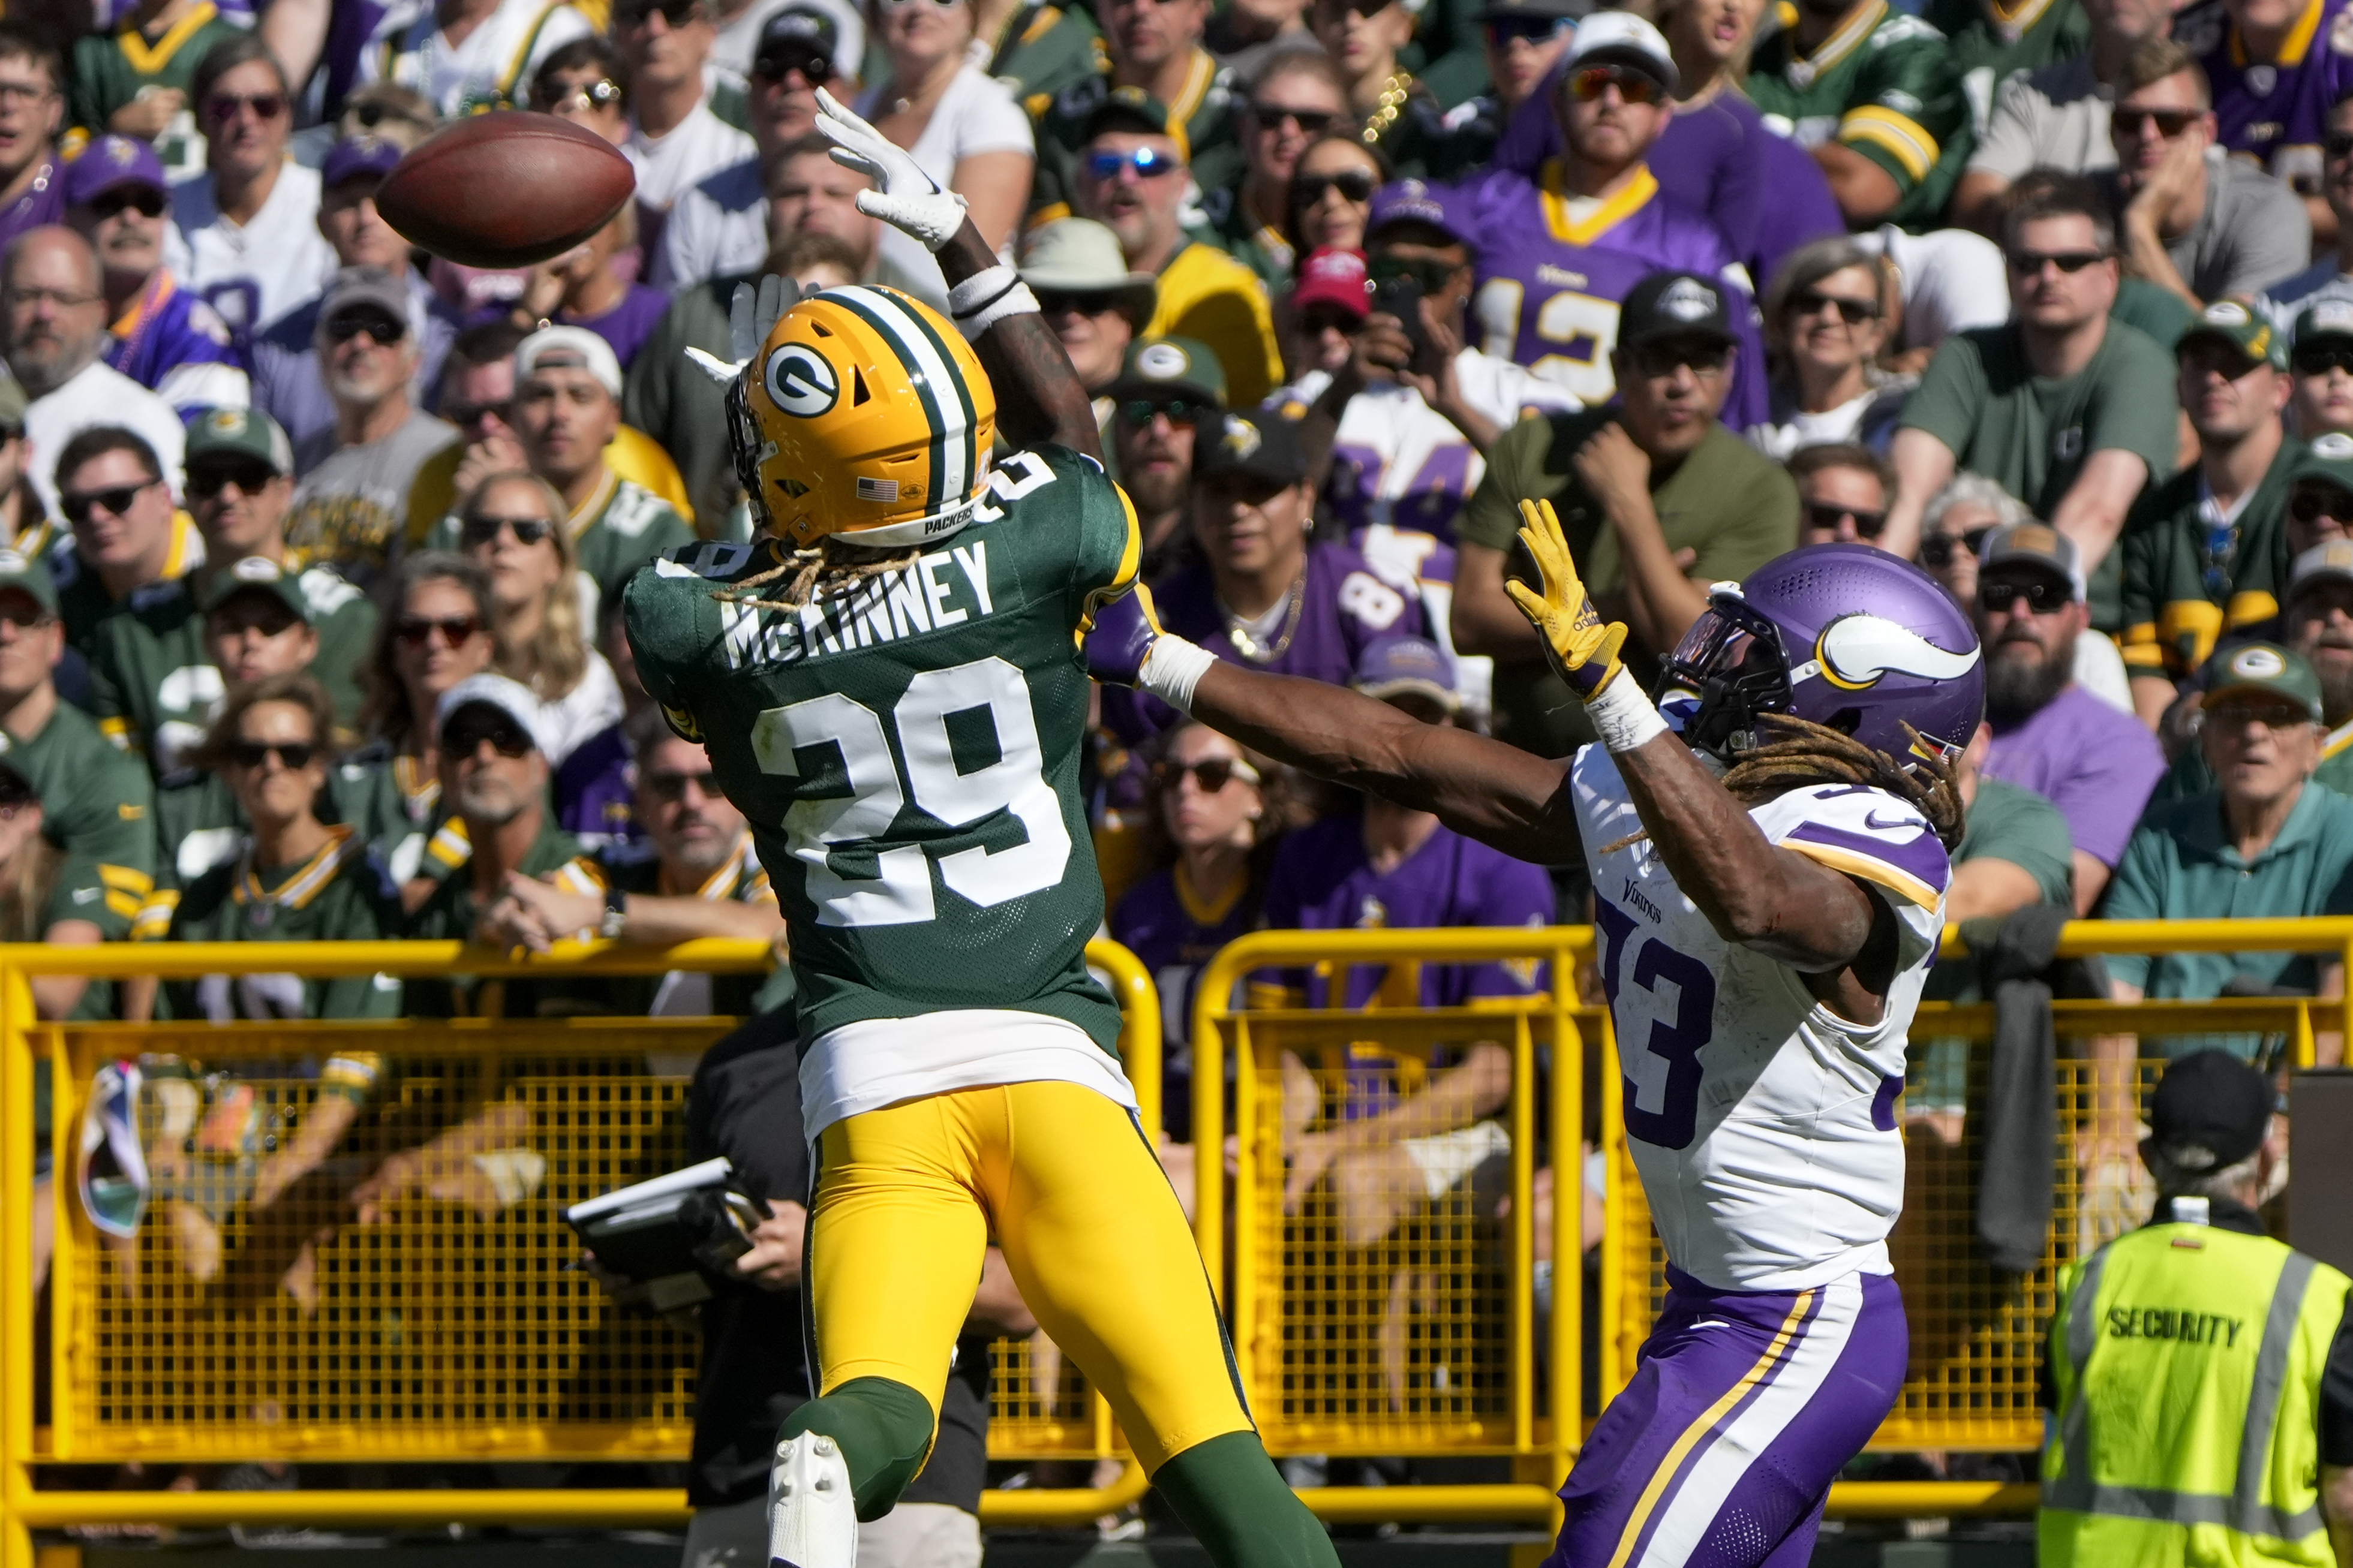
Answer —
(2325, 321)
(241, 433)
(1154, 366)
(2266, 667)
(2328, 458)
(256, 574)
(1132, 108)
(22, 573)
(2242, 329)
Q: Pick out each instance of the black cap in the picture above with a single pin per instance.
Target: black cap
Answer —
(2209, 1112)
(793, 30)
(1676, 305)
(1261, 444)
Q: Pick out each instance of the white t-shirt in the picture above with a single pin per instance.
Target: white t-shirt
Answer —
(587, 710)
(977, 114)
(694, 149)
(1788, 429)
(495, 62)
(99, 395)
(1952, 280)
(254, 273)
(717, 228)
(1762, 1123)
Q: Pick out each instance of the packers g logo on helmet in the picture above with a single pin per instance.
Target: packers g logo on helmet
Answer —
(866, 414)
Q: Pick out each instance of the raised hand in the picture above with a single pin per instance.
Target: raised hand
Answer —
(1582, 647)
(905, 196)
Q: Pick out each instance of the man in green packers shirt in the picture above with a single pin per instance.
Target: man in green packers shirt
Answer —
(567, 406)
(1877, 95)
(127, 544)
(136, 81)
(1154, 46)
(494, 776)
(154, 677)
(2206, 552)
(1992, 39)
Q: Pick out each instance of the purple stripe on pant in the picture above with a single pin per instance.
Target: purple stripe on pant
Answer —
(1744, 1408)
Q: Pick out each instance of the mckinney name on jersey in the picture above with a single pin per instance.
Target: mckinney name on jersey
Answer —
(1762, 1122)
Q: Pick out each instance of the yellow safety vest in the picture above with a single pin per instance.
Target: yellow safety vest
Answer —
(2186, 1363)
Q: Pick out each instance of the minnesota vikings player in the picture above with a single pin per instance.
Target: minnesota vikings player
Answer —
(1769, 886)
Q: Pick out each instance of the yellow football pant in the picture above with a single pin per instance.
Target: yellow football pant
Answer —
(908, 1198)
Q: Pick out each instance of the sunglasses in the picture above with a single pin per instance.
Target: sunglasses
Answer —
(24, 614)
(222, 108)
(1825, 516)
(1148, 162)
(1632, 86)
(815, 67)
(465, 734)
(1527, 30)
(295, 754)
(1938, 549)
(2043, 596)
(1311, 121)
(554, 97)
(146, 200)
(1179, 410)
(1209, 775)
(2336, 143)
(368, 116)
(474, 412)
(677, 13)
(1854, 312)
(2030, 263)
(476, 531)
(1051, 303)
(214, 477)
(1431, 274)
(2312, 505)
(2170, 123)
(380, 329)
(673, 786)
(2321, 358)
(1665, 359)
(415, 631)
(114, 500)
(1355, 184)
(2271, 713)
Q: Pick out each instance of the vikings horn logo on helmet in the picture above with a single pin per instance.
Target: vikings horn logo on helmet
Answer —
(1855, 652)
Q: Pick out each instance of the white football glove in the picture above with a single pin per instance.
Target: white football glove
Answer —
(750, 318)
(905, 196)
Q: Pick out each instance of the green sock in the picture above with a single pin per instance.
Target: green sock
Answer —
(1231, 1496)
(884, 1429)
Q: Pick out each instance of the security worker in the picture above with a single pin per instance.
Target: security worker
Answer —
(2201, 1372)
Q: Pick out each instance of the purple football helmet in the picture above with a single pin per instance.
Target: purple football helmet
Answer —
(1845, 635)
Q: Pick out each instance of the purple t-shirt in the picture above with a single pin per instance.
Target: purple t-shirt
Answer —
(629, 324)
(167, 328)
(2276, 115)
(2096, 764)
(43, 204)
(595, 791)
(1174, 937)
(1802, 209)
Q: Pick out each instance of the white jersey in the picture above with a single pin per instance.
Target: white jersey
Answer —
(1762, 1123)
(490, 69)
(252, 273)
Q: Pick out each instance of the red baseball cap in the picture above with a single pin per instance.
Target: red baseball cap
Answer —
(1331, 276)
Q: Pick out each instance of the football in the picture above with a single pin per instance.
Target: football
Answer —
(507, 189)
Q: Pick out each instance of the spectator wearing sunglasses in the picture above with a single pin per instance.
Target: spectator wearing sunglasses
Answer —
(1151, 50)
(494, 780)
(1876, 94)
(741, 27)
(1399, 117)
(2331, 275)
(53, 336)
(386, 111)
(287, 382)
(720, 226)
(584, 82)
(1166, 390)
(123, 539)
(32, 111)
(1132, 180)
(354, 477)
(1842, 493)
(1332, 191)
(292, 876)
(2199, 228)
(675, 141)
(135, 81)
(2320, 360)
(154, 678)
(1658, 497)
(249, 226)
(1298, 96)
(1825, 325)
(1093, 303)
(2068, 411)
(1956, 525)
(1523, 42)
(2051, 735)
(2205, 553)
(469, 56)
(161, 336)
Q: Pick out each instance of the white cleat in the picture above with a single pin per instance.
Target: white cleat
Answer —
(812, 1519)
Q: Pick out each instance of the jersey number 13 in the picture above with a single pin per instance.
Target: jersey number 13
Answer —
(899, 892)
(1670, 1078)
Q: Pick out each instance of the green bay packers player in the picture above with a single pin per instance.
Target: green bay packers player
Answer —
(889, 685)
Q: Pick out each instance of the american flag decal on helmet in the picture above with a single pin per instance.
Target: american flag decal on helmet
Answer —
(877, 489)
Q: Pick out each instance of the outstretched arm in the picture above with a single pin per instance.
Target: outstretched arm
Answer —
(1039, 399)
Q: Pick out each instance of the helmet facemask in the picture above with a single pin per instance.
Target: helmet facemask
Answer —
(1732, 662)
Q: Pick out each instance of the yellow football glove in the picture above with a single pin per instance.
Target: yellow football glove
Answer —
(1583, 647)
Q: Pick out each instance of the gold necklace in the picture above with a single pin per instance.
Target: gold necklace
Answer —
(1238, 633)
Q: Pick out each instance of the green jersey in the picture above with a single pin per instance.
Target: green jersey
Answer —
(153, 686)
(109, 72)
(96, 805)
(450, 913)
(394, 803)
(83, 602)
(1991, 40)
(2183, 590)
(340, 894)
(198, 825)
(907, 751)
(1885, 85)
(618, 529)
(1044, 49)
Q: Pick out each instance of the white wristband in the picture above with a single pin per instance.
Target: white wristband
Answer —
(1623, 716)
(1173, 668)
(984, 298)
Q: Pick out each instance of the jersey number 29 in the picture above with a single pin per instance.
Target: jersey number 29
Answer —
(899, 892)
(1673, 1049)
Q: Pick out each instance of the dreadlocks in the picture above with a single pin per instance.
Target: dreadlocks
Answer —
(835, 566)
(1805, 754)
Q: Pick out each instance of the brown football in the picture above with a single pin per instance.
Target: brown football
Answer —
(507, 189)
